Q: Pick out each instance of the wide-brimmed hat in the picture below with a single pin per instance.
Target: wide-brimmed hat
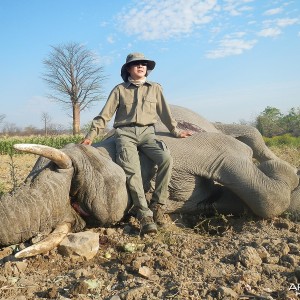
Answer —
(136, 57)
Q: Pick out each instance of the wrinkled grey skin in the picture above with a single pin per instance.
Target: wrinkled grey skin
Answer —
(214, 165)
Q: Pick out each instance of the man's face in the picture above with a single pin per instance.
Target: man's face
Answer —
(137, 70)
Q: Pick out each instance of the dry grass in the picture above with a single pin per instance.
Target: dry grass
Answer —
(289, 154)
(22, 165)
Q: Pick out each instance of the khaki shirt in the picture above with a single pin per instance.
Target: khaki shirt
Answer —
(134, 105)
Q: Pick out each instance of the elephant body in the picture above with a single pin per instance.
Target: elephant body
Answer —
(215, 165)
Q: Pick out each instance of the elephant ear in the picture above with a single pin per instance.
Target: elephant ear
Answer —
(187, 120)
(98, 185)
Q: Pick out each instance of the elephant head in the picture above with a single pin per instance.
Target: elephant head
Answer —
(77, 174)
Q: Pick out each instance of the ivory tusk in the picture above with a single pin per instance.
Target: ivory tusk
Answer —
(47, 244)
(62, 160)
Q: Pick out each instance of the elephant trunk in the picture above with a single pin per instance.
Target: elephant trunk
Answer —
(37, 206)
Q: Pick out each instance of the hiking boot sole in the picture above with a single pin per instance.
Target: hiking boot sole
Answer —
(149, 228)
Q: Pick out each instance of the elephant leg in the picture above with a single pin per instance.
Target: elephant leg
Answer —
(266, 189)
(250, 136)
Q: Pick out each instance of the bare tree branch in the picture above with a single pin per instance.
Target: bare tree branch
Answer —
(74, 78)
(2, 117)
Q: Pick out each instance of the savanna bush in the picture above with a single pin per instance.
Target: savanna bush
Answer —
(283, 140)
(56, 141)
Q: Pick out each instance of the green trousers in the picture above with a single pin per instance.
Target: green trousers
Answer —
(131, 140)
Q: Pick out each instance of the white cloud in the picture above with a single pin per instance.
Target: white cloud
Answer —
(269, 32)
(273, 11)
(209, 19)
(154, 19)
(287, 22)
(236, 7)
(238, 34)
(228, 47)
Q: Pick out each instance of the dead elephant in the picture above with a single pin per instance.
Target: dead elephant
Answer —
(212, 168)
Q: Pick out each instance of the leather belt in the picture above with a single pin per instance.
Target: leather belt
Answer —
(134, 125)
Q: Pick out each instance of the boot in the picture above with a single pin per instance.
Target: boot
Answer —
(158, 213)
(148, 225)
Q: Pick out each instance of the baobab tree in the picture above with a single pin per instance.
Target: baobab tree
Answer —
(74, 77)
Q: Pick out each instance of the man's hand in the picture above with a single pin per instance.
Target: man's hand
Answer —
(185, 133)
(86, 142)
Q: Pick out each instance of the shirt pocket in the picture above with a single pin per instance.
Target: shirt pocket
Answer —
(149, 105)
(126, 106)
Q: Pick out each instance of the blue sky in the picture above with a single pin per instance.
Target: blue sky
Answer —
(225, 59)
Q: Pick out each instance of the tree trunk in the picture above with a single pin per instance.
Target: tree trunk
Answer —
(76, 119)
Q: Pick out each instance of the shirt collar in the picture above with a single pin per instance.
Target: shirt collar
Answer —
(127, 83)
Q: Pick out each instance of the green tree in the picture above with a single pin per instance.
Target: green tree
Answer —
(75, 78)
(269, 122)
(291, 121)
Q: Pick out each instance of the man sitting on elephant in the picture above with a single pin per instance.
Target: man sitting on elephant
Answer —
(136, 103)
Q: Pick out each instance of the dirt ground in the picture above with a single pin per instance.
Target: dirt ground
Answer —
(191, 258)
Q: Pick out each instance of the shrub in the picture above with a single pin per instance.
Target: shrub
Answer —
(57, 141)
(283, 140)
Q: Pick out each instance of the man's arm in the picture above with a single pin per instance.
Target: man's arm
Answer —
(164, 112)
(100, 122)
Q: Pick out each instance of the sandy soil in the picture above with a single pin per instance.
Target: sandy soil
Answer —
(192, 258)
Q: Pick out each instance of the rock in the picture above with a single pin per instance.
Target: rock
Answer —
(109, 231)
(284, 250)
(224, 292)
(294, 249)
(145, 271)
(81, 244)
(127, 229)
(81, 273)
(262, 252)
(249, 257)
(115, 297)
(251, 277)
(5, 252)
(80, 287)
(271, 260)
(134, 293)
(288, 260)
